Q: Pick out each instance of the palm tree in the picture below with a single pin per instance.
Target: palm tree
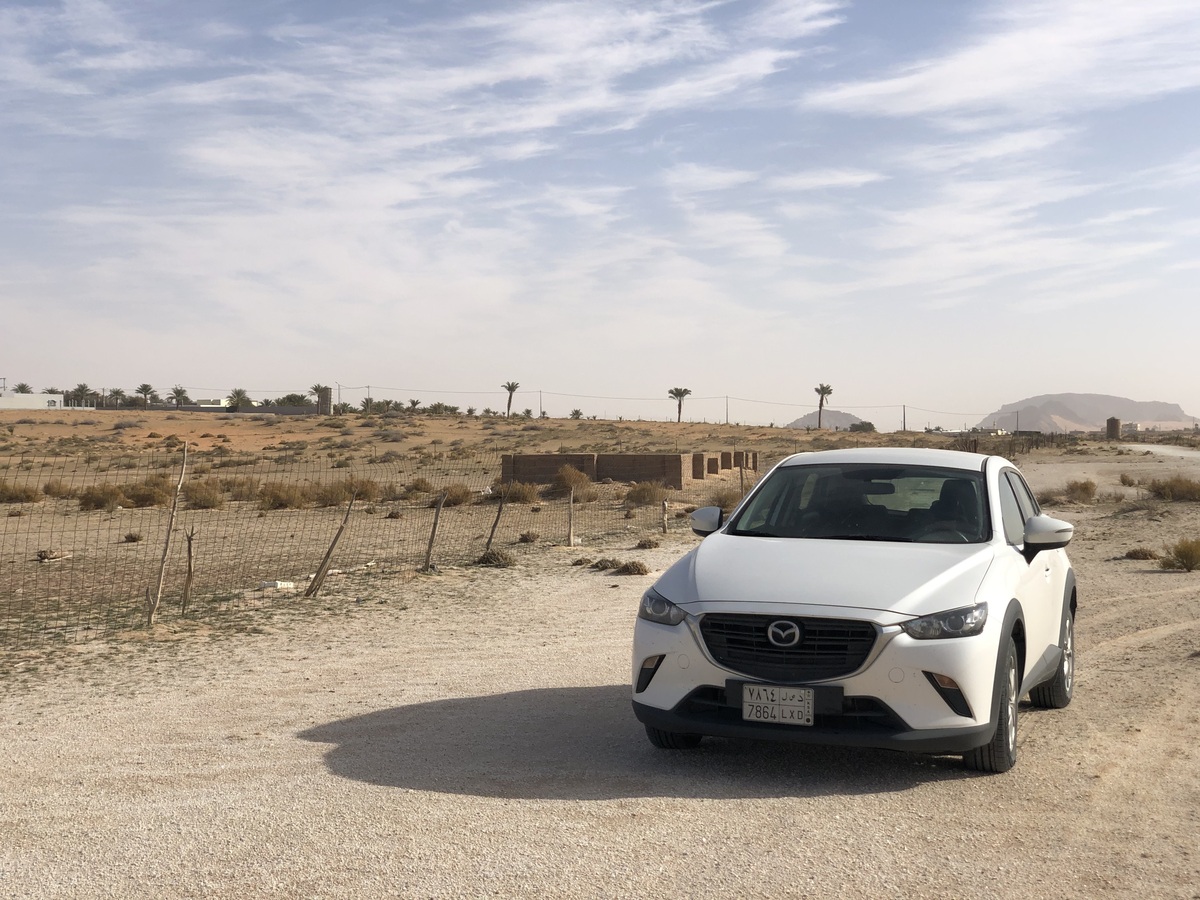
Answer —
(823, 391)
(237, 399)
(316, 389)
(116, 396)
(22, 388)
(145, 391)
(511, 387)
(677, 394)
(179, 396)
(367, 405)
(413, 405)
(51, 390)
(81, 394)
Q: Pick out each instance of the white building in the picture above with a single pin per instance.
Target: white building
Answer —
(31, 401)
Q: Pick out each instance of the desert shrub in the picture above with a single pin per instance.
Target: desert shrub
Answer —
(1081, 491)
(570, 479)
(12, 493)
(336, 493)
(725, 497)
(394, 514)
(646, 493)
(516, 492)
(457, 494)
(1127, 480)
(1183, 554)
(497, 559)
(606, 562)
(583, 561)
(125, 423)
(341, 464)
(132, 537)
(1049, 497)
(101, 496)
(240, 487)
(206, 494)
(647, 544)
(58, 489)
(629, 514)
(634, 567)
(1142, 553)
(278, 495)
(1177, 487)
(391, 492)
(419, 485)
(156, 490)
(528, 537)
(15, 513)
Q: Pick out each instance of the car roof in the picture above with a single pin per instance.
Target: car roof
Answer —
(904, 456)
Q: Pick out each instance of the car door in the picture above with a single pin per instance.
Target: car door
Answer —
(1035, 584)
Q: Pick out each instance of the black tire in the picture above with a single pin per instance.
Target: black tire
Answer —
(1057, 692)
(1000, 753)
(672, 740)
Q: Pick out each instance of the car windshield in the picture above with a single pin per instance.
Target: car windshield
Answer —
(919, 504)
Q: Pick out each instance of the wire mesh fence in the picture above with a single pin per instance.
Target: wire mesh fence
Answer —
(85, 543)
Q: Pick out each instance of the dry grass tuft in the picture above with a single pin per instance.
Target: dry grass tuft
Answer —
(1142, 553)
(496, 559)
(634, 567)
(646, 493)
(1177, 487)
(1184, 554)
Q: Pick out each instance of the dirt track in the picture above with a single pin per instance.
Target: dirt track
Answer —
(471, 736)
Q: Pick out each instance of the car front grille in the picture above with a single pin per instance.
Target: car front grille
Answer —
(828, 648)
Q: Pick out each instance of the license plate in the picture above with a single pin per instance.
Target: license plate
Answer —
(773, 703)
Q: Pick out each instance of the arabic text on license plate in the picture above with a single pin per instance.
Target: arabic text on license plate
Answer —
(774, 703)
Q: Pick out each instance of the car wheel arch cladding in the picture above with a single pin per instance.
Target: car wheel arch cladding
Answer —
(1014, 627)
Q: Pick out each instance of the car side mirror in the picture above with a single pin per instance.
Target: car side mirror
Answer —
(706, 520)
(1046, 533)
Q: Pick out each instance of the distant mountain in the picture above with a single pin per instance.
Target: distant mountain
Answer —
(1084, 412)
(830, 418)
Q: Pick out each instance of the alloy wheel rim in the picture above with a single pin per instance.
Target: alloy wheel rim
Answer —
(1012, 705)
(1069, 655)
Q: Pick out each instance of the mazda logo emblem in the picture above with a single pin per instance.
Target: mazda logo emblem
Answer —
(783, 633)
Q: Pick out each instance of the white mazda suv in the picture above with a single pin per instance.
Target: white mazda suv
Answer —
(896, 598)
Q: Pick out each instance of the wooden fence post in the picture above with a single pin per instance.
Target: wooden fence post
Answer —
(571, 518)
(323, 569)
(152, 602)
(664, 517)
(437, 514)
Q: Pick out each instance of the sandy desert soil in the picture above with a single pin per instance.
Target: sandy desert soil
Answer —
(469, 735)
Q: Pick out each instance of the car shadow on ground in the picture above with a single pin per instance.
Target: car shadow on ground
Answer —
(583, 743)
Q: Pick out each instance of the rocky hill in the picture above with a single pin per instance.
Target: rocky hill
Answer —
(1084, 412)
(830, 418)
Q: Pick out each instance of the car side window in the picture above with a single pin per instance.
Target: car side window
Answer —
(1010, 512)
(1025, 498)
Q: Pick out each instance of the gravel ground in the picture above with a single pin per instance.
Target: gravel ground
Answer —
(469, 735)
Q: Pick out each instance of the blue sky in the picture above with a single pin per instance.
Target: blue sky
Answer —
(945, 205)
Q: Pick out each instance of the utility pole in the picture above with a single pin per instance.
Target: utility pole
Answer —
(726, 409)
(904, 418)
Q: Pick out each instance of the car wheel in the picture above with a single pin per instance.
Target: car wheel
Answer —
(672, 740)
(1000, 753)
(1056, 693)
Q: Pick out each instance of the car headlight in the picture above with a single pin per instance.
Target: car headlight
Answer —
(657, 608)
(962, 622)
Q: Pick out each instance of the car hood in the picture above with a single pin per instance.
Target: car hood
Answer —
(901, 578)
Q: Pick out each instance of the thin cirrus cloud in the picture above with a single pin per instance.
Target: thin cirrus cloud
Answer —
(467, 166)
(1041, 59)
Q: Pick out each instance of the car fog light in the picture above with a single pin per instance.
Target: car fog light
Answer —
(649, 666)
(951, 693)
